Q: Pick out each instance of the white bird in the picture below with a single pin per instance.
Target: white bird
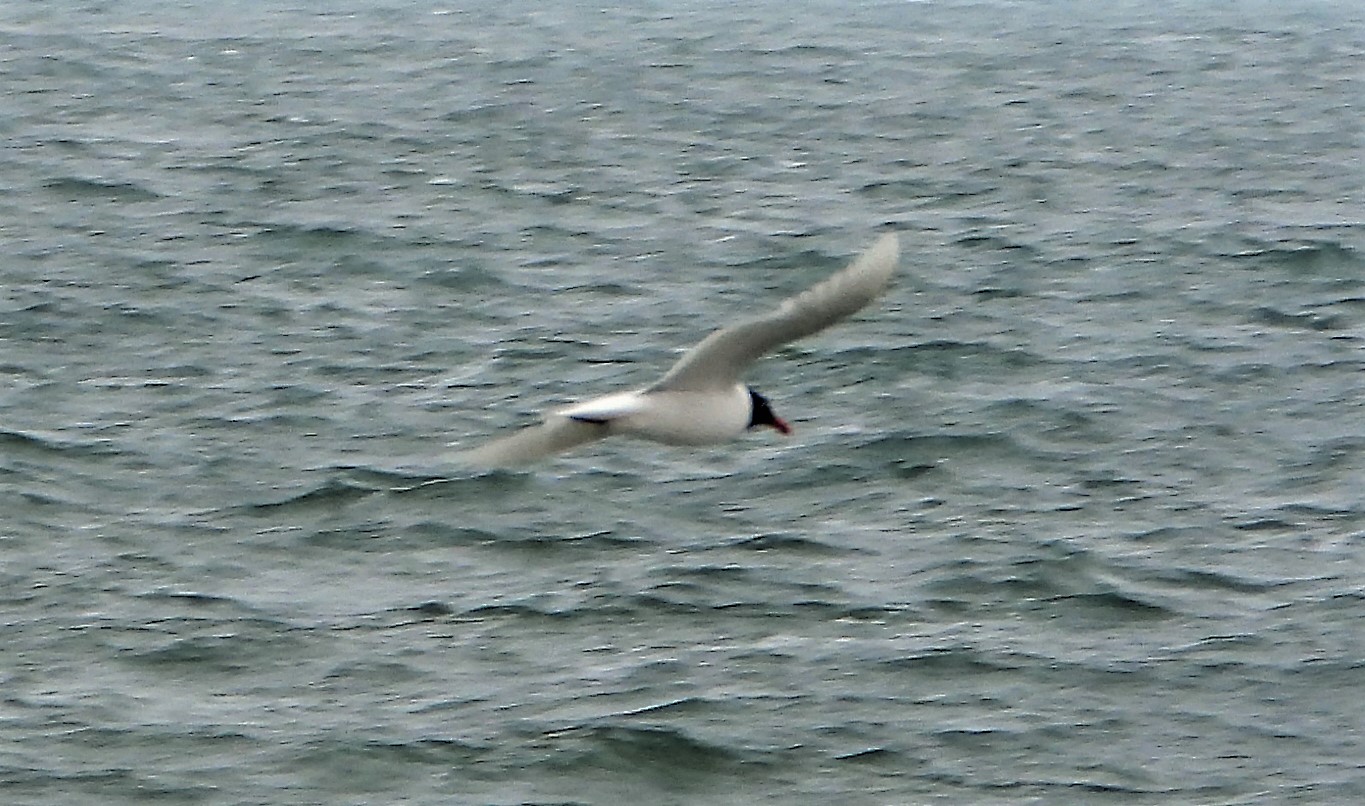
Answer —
(701, 399)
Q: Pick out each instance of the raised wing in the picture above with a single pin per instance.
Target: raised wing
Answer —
(719, 359)
(555, 435)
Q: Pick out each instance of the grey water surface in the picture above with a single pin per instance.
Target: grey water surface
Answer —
(1074, 515)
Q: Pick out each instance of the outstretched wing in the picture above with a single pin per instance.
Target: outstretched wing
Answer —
(719, 359)
(555, 435)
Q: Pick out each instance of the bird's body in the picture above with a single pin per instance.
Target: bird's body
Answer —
(701, 399)
(671, 417)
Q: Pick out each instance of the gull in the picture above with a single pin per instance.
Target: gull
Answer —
(702, 400)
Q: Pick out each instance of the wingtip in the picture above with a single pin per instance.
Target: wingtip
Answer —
(878, 262)
(887, 249)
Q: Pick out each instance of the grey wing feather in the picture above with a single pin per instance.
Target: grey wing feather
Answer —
(554, 435)
(720, 358)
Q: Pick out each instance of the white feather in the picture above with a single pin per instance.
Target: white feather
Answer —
(722, 357)
(701, 400)
(554, 435)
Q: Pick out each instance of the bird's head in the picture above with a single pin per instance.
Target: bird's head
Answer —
(760, 413)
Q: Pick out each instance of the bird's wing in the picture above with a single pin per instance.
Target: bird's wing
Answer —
(720, 358)
(555, 435)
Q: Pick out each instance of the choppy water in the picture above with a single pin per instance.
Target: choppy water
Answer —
(1074, 516)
